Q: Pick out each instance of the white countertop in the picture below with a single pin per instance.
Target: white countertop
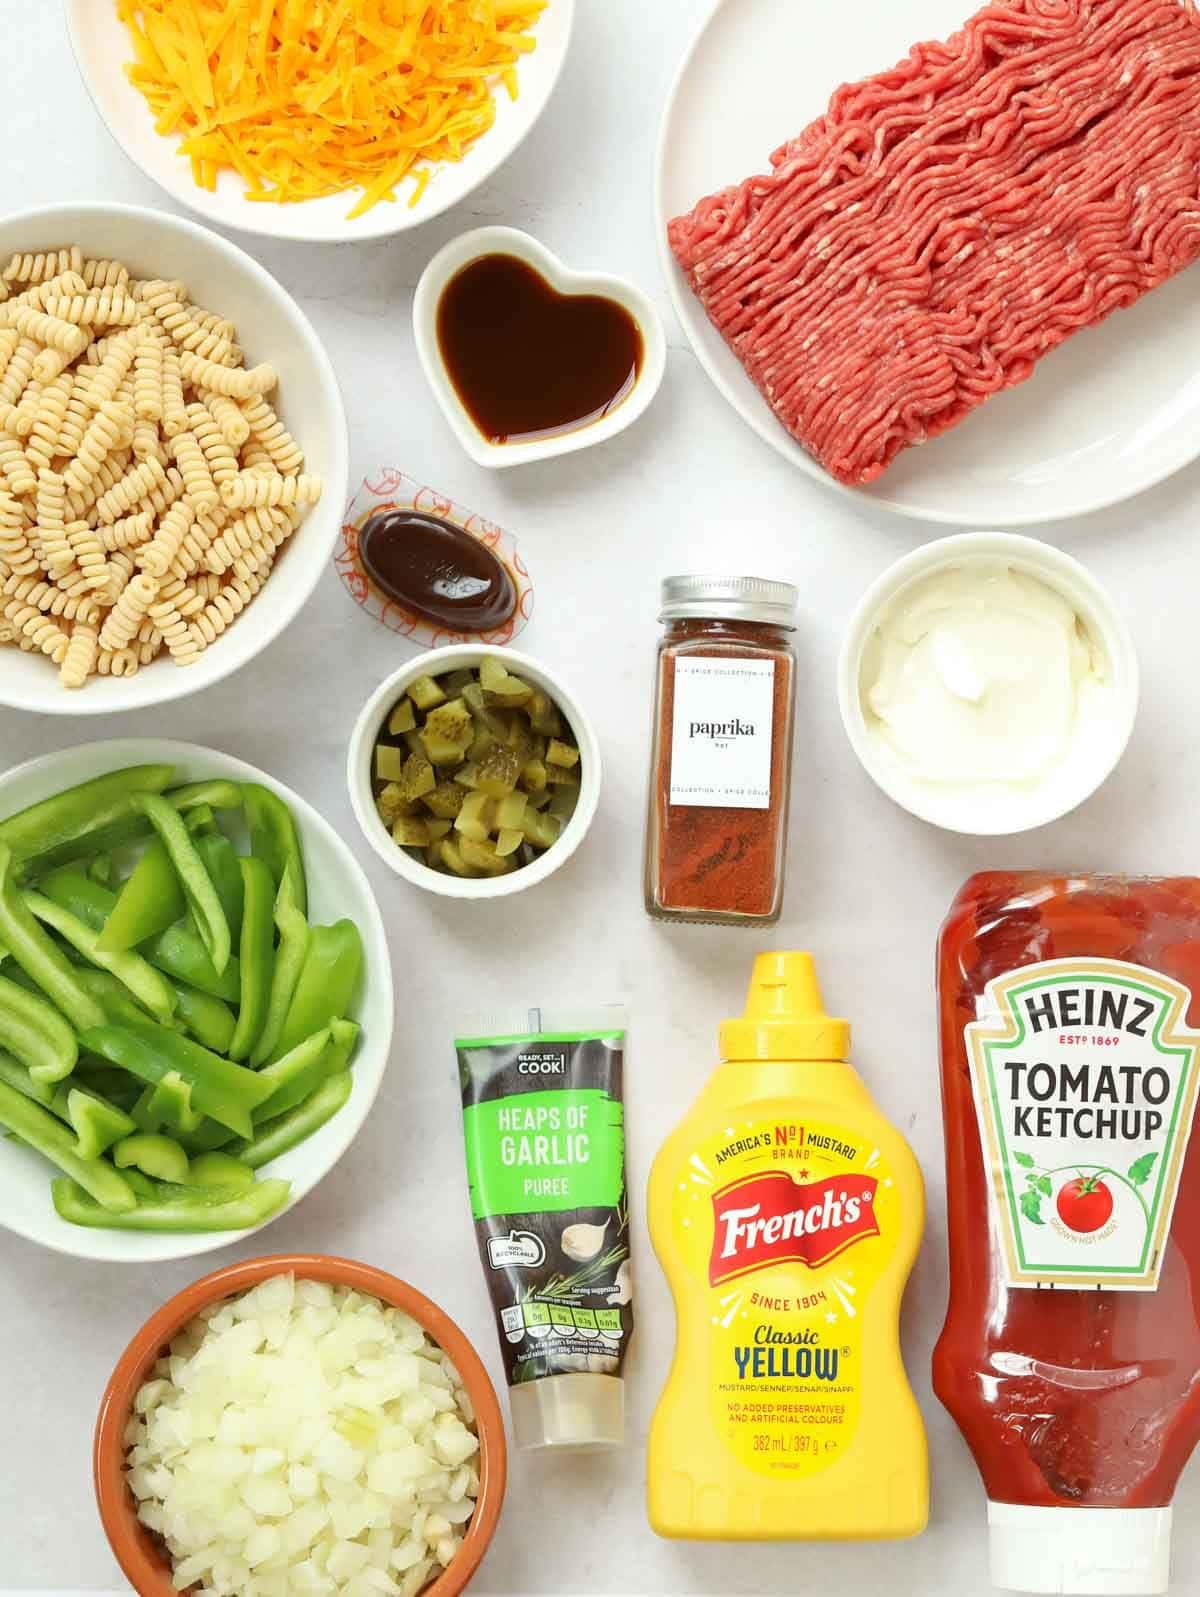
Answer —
(689, 488)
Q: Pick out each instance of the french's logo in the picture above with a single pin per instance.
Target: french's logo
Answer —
(770, 1219)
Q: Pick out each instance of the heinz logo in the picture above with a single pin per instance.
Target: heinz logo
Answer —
(771, 1219)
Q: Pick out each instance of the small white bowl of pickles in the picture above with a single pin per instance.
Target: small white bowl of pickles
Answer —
(473, 772)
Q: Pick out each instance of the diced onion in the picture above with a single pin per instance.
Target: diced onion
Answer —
(304, 1440)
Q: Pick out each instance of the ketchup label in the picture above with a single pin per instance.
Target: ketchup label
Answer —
(788, 1224)
(1084, 1077)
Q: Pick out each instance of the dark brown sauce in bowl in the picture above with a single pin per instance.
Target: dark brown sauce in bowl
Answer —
(528, 362)
(436, 570)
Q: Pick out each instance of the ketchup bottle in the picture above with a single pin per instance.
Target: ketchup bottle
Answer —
(1070, 1355)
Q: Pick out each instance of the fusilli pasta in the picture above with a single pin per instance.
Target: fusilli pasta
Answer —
(146, 484)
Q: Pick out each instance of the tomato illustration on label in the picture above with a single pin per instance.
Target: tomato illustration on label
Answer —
(1085, 1204)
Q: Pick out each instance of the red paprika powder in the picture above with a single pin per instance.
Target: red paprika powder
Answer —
(721, 773)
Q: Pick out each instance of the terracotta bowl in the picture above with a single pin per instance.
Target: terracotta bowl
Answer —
(139, 1553)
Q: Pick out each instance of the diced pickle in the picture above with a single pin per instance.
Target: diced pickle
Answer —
(451, 723)
(520, 738)
(510, 811)
(533, 777)
(541, 829)
(474, 820)
(419, 777)
(483, 773)
(556, 776)
(499, 686)
(563, 801)
(480, 744)
(543, 714)
(389, 762)
(561, 754)
(425, 693)
(482, 857)
(446, 799)
(391, 802)
(499, 771)
(442, 753)
(452, 860)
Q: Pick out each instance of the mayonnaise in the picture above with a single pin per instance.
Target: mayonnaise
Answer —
(981, 674)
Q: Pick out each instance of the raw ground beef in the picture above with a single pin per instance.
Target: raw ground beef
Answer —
(947, 223)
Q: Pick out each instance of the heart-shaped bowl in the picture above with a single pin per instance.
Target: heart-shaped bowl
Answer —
(141, 1556)
(484, 241)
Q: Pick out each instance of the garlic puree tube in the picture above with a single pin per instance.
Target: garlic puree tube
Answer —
(983, 674)
(543, 1121)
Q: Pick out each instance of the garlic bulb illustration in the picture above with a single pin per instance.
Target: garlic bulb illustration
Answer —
(622, 1292)
(583, 1242)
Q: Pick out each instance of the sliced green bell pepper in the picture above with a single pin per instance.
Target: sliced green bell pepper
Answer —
(220, 1089)
(39, 955)
(207, 1136)
(143, 1188)
(113, 996)
(147, 985)
(17, 1076)
(101, 869)
(148, 902)
(87, 819)
(38, 1127)
(292, 927)
(154, 1155)
(168, 1103)
(327, 986)
(256, 954)
(197, 886)
(36, 1033)
(294, 1076)
(200, 821)
(96, 1122)
(221, 862)
(209, 1020)
(274, 838)
(220, 1170)
(177, 952)
(287, 1130)
(217, 794)
(343, 1040)
(201, 1210)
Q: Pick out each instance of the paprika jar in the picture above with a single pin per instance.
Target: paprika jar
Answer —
(720, 777)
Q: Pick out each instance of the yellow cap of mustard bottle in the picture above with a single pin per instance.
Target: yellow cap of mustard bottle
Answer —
(784, 1016)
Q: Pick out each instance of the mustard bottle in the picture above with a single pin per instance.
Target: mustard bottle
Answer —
(786, 1213)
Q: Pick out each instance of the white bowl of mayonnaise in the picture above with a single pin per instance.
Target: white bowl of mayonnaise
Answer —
(988, 683)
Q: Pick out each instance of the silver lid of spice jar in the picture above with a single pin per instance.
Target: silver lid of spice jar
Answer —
(730, 599)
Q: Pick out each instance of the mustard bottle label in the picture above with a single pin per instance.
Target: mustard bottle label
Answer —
(787, 1223)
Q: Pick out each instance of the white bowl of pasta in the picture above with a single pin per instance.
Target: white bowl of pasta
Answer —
(173, 459)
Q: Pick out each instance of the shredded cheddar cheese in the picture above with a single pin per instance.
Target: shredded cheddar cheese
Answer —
(304, 98)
